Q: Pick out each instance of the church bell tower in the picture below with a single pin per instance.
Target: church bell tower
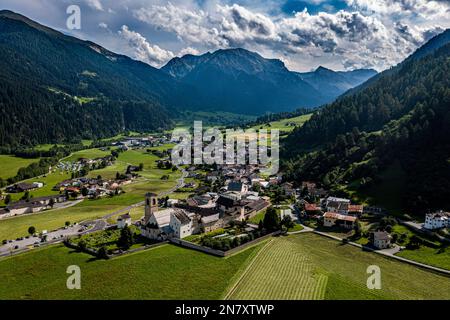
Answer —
(151, 205)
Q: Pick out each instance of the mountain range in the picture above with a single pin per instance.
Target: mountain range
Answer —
(48, 78)
(241, 81)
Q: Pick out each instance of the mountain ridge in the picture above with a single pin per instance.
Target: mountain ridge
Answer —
(255, 73)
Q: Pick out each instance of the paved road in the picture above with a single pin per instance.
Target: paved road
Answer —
(55, 236)
(19, 246)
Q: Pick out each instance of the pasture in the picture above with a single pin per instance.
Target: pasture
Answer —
(166, 272)
(10, 165)
(308, 266)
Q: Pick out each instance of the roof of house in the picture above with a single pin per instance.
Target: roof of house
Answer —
(181, 216)
(227, 202)
(124, 217)
(439, 215)
(235, 186)
(338, 205)
(311, 207)
(163, 217)
(210, 218)
(25, 186)
(335, 199)
(337, 216)
(355, 208)
(257, 205)
(381, 235)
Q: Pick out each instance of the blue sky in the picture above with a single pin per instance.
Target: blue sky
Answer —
(338, 34)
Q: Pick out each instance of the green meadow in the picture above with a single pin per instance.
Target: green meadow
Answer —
(303, 266)
(10, 165)
(166, 272)
(308, 266)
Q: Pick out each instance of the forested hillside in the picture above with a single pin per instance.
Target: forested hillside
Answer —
(387, 96)
(57, 88)
(403, 117)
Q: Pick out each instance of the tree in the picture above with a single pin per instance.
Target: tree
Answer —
(26, 196)
(82, 245)
(414, 242)
(31, 230)
(287, 222)
(102, 253)
(67, 223)
(260, 225)
(358, 229)
(52, 202)
(125, 240)
(84, 191)
(141, 166)
(271, 220)
(8, 199)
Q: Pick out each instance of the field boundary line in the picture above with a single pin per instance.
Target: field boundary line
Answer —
(238, 281)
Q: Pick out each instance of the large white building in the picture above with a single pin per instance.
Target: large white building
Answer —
(181, 224)
(437, 220)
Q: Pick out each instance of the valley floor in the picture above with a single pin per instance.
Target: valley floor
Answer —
(303, 266)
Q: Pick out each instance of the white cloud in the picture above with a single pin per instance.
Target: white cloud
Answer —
(188, 50)
(103, 25)
(370, 33)
(143, 50)
(95, 4)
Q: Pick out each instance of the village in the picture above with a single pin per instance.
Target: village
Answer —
(227, 208)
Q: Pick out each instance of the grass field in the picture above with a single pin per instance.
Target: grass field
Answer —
(49, 181)
(166, 272)
(92, 209)
(88, 154)
(10, 165)
(13, 228)
(286, 125)
(309, 266)
(435, 257)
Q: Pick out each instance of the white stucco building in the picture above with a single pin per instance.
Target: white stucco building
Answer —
(124, 221)
(437, 220)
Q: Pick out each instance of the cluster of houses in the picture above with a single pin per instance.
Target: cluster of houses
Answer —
(201, 213)
(140, 142)
(92, 164)
(91, 187)
(32, 206)
(335, 212)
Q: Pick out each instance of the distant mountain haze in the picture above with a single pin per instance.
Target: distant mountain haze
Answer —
(238, 80)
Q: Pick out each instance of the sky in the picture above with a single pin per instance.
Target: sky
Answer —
(304, 34)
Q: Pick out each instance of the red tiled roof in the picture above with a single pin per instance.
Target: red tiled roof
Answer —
(337, 216)
(355, 208)
(311, 207)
